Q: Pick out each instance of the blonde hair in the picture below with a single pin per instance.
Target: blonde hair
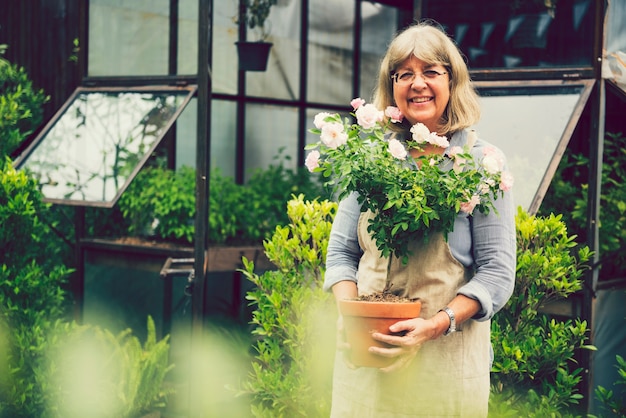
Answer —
(432, 45)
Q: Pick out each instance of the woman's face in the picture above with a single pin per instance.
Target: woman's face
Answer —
(421, 92)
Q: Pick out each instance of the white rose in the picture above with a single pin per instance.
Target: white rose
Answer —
(319, 121)
(420, 133)
(333, 135)
(397, 149)
(492, 164)
(368, 116)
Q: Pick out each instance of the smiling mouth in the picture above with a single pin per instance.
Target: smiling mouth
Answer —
(421, 99)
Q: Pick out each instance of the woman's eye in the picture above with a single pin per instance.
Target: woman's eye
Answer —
(430, 73)
(405, 76)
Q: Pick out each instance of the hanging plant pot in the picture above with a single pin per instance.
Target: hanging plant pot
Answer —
(253, 56)
(362, 318)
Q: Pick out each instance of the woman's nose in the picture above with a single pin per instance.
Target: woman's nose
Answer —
(418, 81)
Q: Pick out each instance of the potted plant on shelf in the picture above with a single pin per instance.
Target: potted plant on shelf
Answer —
(253, 55)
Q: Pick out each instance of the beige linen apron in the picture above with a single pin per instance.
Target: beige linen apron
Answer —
(449, 377)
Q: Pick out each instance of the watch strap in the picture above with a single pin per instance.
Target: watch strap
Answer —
(450, 313)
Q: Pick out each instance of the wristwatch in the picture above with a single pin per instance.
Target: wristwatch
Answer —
(452, 327)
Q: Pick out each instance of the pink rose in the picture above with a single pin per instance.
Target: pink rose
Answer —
(312, 160)
(397, 149)
(319, 121)
(468, 207)
(455, 150)
(333, 135)
(368, 116)
(490, 151)
(506, 182)
(356, 103)
(394, 114)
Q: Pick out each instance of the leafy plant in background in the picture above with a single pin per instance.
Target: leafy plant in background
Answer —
(106, 375)
(21, 108)
(612, 225)
(34, 307)
(164, 200)
(534, 371)
(142, 370)
(255, 16)
(32, 298)
(611, 402)
(568, 196)
(292, 368)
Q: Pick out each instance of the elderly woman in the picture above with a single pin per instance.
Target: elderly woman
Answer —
(442, 358)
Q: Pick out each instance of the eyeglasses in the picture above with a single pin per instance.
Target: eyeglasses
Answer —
(408, 77)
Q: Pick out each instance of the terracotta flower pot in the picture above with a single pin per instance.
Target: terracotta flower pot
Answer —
(362, 318)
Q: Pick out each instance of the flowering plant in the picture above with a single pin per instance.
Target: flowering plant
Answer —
(406, 195)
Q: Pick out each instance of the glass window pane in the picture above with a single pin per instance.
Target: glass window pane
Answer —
(91, 151)
(527, 124)
(511, 34)
(270, 131)
(377, 31)
(223, 136)
(187, 36)
(614, 63)
(186, 135)
(128, 38)
(331, 39)
(225, 34)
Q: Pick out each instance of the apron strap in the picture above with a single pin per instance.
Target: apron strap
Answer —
(472, 136)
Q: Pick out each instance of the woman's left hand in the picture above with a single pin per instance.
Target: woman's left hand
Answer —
(414, 332)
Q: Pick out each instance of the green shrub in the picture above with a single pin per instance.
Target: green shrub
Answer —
(568, 196)
(99, 374)
(34, 307)
(32, 304)
(166, 195)
(611, 401)
(161, 202)
(534, 371)
(32, 296)
(293, 318)
(21, 109)
(612, 225)
(65, 370)
(23, 235)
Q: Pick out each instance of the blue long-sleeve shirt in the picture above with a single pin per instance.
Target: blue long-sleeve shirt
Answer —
(484, 242)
